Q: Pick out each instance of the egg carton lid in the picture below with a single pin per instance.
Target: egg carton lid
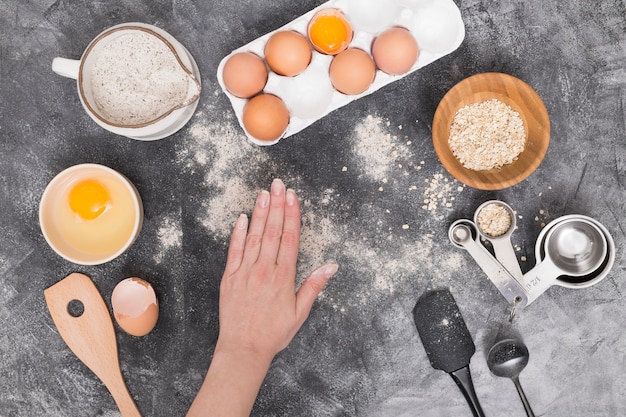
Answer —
(437, 26)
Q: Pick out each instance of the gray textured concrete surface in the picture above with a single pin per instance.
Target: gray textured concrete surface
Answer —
(363, 173)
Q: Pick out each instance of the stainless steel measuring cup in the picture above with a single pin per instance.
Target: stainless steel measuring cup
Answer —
(499, 239)
(573, 247)
(464, 234)
(583, 281)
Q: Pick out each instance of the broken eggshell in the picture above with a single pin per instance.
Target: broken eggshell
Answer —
(135, 306)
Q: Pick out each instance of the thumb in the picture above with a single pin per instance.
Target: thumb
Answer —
(310, 289)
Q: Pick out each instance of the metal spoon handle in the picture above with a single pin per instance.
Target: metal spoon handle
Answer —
(529, 411)
(504, 281)
(505, 253)
(502, 246)
(539, 279)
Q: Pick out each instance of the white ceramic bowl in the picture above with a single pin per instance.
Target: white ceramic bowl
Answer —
(55, 231)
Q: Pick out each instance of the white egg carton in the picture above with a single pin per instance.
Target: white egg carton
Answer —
(436, 25)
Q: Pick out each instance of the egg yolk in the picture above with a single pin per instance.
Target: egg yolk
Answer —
(89, 199)
(330, 33)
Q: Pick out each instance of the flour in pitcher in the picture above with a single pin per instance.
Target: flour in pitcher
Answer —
(136, 78)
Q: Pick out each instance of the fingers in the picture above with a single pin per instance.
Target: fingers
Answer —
(273, 232)
(288, 250)
(237, 245)
(310, 289)
(255, 231)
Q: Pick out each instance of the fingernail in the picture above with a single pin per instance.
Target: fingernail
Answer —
(330, 270)
(242, 221)
(291, 197)
(327, 270)
(277, 187)
(264, 199)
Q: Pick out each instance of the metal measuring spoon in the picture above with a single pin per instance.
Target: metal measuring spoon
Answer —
(507, 359)
(573, 247)
(502, 246)
(464, 234)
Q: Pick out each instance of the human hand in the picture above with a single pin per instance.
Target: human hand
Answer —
(260, 309)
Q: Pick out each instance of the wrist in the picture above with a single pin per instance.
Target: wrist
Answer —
(232, 381)
(248, 355)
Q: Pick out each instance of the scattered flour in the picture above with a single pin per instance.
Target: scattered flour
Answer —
(378, 150)
(229, 160)
(220, 149)
(382, 258)
(382, 156)
(386, 267)
(222, 211)
(318, 236)
(170, 236)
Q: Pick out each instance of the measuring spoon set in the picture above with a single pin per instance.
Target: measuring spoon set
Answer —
(572, 251)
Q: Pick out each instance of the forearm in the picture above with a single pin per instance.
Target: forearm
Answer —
(231, 384)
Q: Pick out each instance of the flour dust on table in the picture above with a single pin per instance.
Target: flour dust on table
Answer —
(218, 148)
(377, 150)
(170, 235)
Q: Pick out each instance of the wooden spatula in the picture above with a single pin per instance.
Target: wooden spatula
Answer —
(90, 335)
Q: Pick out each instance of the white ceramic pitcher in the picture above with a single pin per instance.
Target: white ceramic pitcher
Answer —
(164, 125)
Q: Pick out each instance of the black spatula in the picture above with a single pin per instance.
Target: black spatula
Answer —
(447, 341)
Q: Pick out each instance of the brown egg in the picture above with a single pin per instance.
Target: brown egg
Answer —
(288, 53)
(265, 117)
(352, 71)
(244, 74)
(395, 51)
(135, 306)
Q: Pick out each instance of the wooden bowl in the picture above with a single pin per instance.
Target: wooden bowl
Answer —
(521, 98)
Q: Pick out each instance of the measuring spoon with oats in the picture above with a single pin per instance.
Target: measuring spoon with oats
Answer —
(495, 221)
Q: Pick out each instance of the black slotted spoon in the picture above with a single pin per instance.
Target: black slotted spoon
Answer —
(448, 343)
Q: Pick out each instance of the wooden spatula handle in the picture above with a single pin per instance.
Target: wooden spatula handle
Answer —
(91, 335)
(123, 400)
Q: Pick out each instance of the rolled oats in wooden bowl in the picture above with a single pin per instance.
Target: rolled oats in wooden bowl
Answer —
(491, 131)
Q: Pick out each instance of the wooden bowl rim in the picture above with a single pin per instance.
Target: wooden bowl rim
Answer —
(537, 136)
